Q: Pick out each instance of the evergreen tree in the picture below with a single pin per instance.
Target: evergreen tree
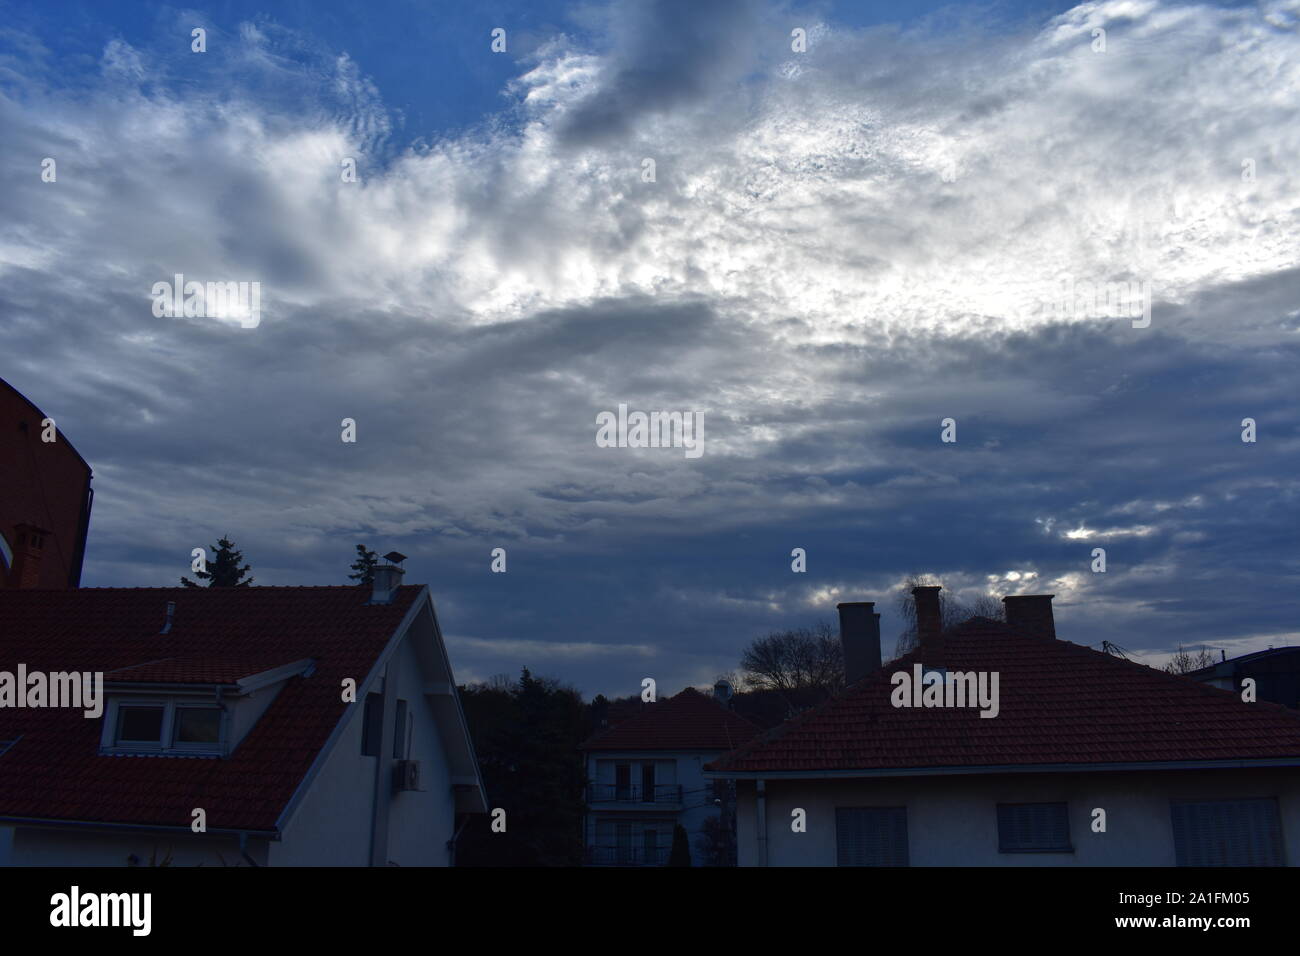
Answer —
(223, 570)
(681, 852)
(526, 735)
(364, 566)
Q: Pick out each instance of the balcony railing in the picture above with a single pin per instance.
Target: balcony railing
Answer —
(661, 794)
(627, 856)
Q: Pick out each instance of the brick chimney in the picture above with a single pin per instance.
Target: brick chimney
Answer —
(1031, 613)
(860, 639)
(28, 551)
(929, 616)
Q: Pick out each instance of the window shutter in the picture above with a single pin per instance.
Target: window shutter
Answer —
(1034, 828)
(1227, 833)
(871, 836)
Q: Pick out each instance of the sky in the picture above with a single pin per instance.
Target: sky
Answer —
(840, 248)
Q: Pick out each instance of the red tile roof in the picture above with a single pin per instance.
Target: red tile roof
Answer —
(687, 721)
(1060, 703)
(55, 771)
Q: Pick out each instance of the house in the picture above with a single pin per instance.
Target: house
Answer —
(226, 730)
(45, 498)
(998, 744)
(1276, 673)
(645, 775)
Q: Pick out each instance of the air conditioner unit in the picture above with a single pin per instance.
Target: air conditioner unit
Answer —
(406, 775)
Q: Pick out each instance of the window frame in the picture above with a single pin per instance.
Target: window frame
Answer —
(1004, 846)
(197, 746)
(121, 743)
(372, 725)
(112, 743)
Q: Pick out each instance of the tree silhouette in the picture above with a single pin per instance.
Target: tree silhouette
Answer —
(681, 851)
(223, 570)
(364, 566)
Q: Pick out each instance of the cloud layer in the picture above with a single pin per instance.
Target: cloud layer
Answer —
(840, 248)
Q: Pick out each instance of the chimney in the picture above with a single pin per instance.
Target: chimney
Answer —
(860, 639)
(28, 550)
(171, 613)
(387, 578)
(929, 616)
(1031, 613)
(722, 693)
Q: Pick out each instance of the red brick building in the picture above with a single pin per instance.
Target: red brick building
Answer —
(45, 499)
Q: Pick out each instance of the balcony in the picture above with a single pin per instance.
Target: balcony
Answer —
(662, 796)
(627, 856)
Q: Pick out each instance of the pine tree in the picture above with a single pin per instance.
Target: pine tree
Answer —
(364, 566)
(681, 852)
(223, 570)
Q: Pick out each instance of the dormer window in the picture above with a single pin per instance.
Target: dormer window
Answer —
(140, 725)
(196, 726)
(154, 726)
(189, 706)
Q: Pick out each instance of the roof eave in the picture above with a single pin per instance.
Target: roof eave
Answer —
(1231, 764)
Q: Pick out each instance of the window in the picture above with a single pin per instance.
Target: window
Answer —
(650, 846)
(372, 730)
(140, 725)
(623, 781)
(399, 731)
(871, 836)
(197, 725)
(164, 725)
(647, 783)
(1227, 833)
(1034, 828)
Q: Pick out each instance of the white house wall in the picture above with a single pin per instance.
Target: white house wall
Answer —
(33, 846)
(685, 768)
(332, 825)
(952, 820)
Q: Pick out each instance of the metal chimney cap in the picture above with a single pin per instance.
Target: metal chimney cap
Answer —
(396, 557)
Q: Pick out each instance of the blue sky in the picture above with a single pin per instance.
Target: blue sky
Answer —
(841, 248)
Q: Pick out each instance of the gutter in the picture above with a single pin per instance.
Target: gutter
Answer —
(760, 775)
(149, 827)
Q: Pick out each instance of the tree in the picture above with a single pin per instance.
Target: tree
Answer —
(223, 570)
(681, 852)
(952, 611)
(364, 566)
(795, 660)
(1184, 663)
(526, 735)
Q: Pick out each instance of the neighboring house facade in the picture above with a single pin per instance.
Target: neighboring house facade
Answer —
(45, 499)
(1090, 760)
(1276, 673)
(645, 775)
(226, 706)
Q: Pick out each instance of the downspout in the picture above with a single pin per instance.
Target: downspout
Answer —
(451, 844)
(762, 822)
(243, 848)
